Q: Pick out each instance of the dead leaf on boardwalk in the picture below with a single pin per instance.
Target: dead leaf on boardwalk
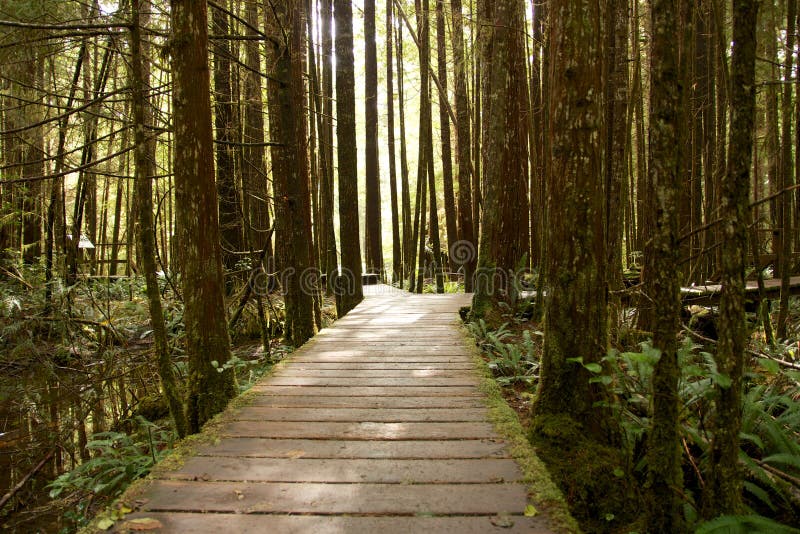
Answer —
(295, 454)
(502, 521)
(142, 523)
(239, 494)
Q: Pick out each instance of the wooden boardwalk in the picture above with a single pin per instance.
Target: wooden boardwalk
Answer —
(377, 425)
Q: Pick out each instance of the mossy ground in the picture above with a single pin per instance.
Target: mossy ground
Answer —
(543, 493)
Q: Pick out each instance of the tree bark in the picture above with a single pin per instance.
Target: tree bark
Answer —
(349, 285)
(465, 254)
(290, 166)
(144, 164)
(575, 275)
(374, 242)
(504, 239)
(661, 275)
(196, 217)
(397, 251)
(724, 489)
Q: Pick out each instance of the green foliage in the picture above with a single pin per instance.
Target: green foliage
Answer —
(744, 524)
(770, 434)
(117, 460)
(514, 362)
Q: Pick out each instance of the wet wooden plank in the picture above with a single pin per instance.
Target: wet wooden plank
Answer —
(309, 498)
(187, 523)
(381, 415)
(314, 448)
(338, 471)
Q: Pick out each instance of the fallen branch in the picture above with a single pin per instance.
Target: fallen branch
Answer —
(13, 491)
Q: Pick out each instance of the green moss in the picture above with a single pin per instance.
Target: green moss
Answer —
(543, 493)
(592, 476)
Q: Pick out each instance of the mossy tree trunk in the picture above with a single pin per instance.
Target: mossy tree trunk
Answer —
(196, 217)
(349, 284)
(290, 166)
(724, 485)
(575, 269)
(145, 157)
(504, 239)
(661, 270)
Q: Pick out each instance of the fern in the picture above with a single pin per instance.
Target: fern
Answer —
(744, 524)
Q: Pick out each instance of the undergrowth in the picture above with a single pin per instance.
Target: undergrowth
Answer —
(770, 434)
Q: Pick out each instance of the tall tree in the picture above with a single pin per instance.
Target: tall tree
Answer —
(724, 487)
(575, 269)
(329, 259)
(374, 243)
(465, 255)
(349, 288)
(785, 240)
(225, 135)
(196, 217)
(290, 166)
(397, 252)
(145, 158)
(661, 269)
(254, 169)
(504, 236)
(444, 123)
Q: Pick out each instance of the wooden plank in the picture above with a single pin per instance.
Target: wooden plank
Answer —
(420, 381)
(357, 415)
(304, 371)
(366, 391)
(357, 431)
(309, 498)
(312, 365)
(351, 471)
(315, 448)
(187, 523)
(387, 402)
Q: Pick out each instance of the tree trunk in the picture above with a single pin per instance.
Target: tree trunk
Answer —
(230, 222)
(374, 243)
(504, 239)
(254, 169)
(465, 253)
(785, 239)
(397, 251)
(447, 151)
(724, 489)
(661, 276)
(575, 277)
(349, 285)
(197, 224)
(290, 170)
(145, 156)
(408, 239)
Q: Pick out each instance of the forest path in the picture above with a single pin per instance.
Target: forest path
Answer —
(376, 425)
